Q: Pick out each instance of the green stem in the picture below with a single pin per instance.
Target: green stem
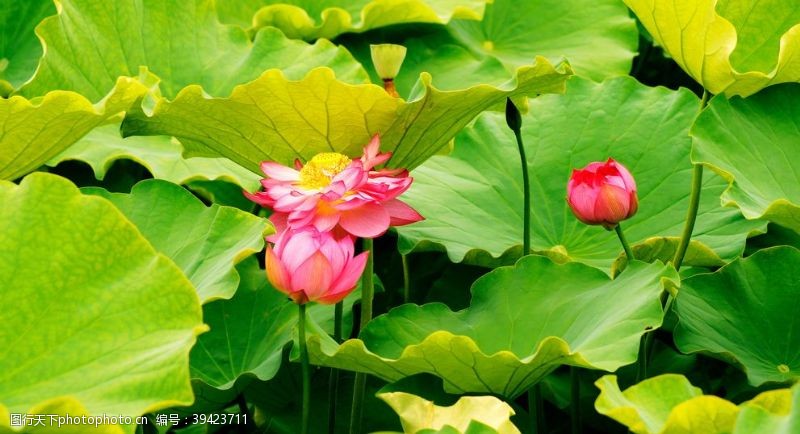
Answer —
(575, 398)
(526, 192)
(691, 216)
(536, 409)
(367, 293)
(406, 279)
(306, 368)
(625, 245)
(333, 378)
(694, 203)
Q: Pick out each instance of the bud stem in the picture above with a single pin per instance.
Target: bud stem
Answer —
(514, 121)
(305, 366)
(367, 293)
(624, 242)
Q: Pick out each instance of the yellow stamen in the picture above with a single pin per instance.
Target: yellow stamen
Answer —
(319, 171)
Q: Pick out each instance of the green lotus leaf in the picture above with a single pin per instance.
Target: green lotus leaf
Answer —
(669, 404)
(160, 155)
(112, 333)
(273, 118)
(206, 242)
(249, 331)
(19, 49)
(514, 32)
(772, 412)
(753, 143)
(418, 414)
(733, 46)
(92, 42)
(524, 321)
(472, 198)
(34, 131)
(313, 19)
(746, 311)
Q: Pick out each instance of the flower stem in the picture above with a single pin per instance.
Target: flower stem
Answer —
(367, 293)
(575, 399)
(625, 245)
(406, 279)
(691, 216)
(305, 367)
(333, 378)
(536, 409)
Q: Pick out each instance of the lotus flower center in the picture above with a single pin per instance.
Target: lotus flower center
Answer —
(320, 170)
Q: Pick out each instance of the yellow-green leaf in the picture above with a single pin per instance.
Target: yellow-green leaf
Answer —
(274, 118)
(417, 414)
(733, 46)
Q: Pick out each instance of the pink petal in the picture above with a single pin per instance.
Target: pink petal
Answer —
(278, 220)
(299, 246)
(259, 198)
(347, 280)
(324, 222)
(612, 205)
(313, 278)
(276, 272)
(279, 171)
(582, 200)
(400, 213)
(367, 221)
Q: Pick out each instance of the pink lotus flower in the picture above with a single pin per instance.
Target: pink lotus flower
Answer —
(331, 191)
(309, 265)
(602, 194)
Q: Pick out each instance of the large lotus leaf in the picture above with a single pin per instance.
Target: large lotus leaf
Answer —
(160, 155)
(206, 242)
(599, 41)
(92, 42)
(417, 414)
(669, 404)
(754, 143)
(312, 19)
(19, 49)
(472, 199)
(747, 311)
(273, 118)
(249, 331)
(34, 131)
(95, 318)
(733, 46)
(524, 321)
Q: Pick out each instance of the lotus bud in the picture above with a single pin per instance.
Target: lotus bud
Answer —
(602, 194)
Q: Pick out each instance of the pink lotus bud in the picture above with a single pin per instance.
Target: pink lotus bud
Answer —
(309, 265)
(602, 194)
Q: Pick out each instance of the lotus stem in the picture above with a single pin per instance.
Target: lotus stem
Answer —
(305, 367)
(406, 279)
(575, 399)
(536, 410)
(694, 203)
(367, 293)
(624, 242)
(333, 378)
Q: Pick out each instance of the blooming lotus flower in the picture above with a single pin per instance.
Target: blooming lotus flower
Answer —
(309, 265)
(602, 194)
(331, 191)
